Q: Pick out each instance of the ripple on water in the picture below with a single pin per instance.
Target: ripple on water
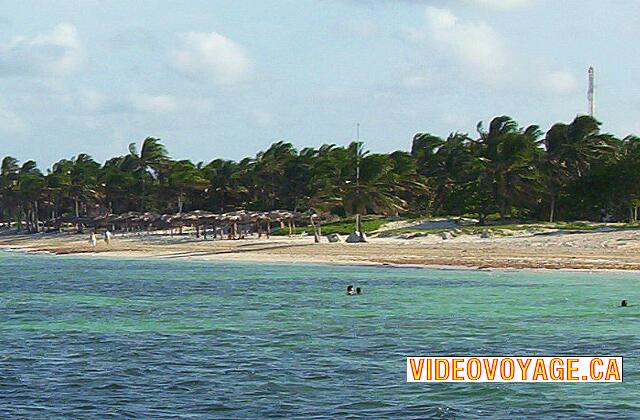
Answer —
(156, 339)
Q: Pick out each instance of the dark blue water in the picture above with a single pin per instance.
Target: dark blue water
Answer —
(99, 338)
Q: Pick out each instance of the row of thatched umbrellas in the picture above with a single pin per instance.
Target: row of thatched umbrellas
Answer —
(133, 221)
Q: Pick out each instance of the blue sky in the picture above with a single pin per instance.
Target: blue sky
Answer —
(228, 78)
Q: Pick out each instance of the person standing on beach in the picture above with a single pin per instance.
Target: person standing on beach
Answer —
(107, 237)
(94, 240)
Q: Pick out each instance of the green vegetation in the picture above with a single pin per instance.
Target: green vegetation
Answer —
(502, 173)
(342, 227)
(511, 229)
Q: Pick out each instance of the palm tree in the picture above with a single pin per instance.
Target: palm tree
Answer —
(269, 171)
(9, 170)
(570, 151)
(152, 159)
(31, 183)
(184, 177)
(75, 180)
(447, 168)
(377, 188)
(224, 187)
(507, 156)
(424, 149)
(119, 181)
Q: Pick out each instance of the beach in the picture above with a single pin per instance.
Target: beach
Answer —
(591, 250)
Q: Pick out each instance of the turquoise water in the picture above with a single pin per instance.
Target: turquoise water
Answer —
(96, 338)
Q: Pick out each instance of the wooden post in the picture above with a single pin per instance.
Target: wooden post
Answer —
(316, 229)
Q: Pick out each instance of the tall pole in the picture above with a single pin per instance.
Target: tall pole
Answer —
(358, 216)
(591, 93)
(358, 154)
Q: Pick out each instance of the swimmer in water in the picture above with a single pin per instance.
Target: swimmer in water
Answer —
(358, 290)
(350, 290)
(624, 303)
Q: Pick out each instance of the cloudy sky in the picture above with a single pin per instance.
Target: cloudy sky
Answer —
(226, 78)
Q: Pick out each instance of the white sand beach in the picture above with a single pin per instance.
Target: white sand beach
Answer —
(593, 250)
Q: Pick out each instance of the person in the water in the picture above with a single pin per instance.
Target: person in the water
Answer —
(624, 303)
(358, 290)
(350, 290)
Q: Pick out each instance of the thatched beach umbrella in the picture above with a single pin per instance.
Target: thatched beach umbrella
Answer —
(197, 218)
(105, 220)
(209, 219)
(283, 216)
(231, 220)
(125, 220)
(260, 219)
(146, 219)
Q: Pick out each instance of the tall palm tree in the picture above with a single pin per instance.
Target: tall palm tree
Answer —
(152, 158)
(448, 167)
(119, 180)
(9, 170)
(377, 189)
(31, 183)
(184, 177)
(424, 149)
(507, 156)
(224, 186)
(82, 185)
(570, 151)
(269, 170)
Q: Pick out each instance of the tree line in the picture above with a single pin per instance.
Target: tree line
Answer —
(573, 171)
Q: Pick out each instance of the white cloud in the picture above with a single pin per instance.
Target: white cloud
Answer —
(154, 103)
(561, 82)
(476, 48)
(58, 53)
(503, 4)
(89, 101)
(212, 57)
(473, 43)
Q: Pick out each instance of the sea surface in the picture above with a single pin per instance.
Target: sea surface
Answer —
(109, 338)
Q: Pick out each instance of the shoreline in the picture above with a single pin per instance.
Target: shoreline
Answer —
(588, 252)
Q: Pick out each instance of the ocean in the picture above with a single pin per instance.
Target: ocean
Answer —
(88, 337)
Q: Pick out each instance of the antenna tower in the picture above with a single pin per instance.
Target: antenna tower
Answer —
(591, 92)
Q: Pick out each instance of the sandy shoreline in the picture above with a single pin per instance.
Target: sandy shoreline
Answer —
(615, 250)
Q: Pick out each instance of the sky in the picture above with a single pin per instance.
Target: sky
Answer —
(227, 78)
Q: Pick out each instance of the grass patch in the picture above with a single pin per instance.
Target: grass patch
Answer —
(341, 227)
(511, 229)
(495, 228)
